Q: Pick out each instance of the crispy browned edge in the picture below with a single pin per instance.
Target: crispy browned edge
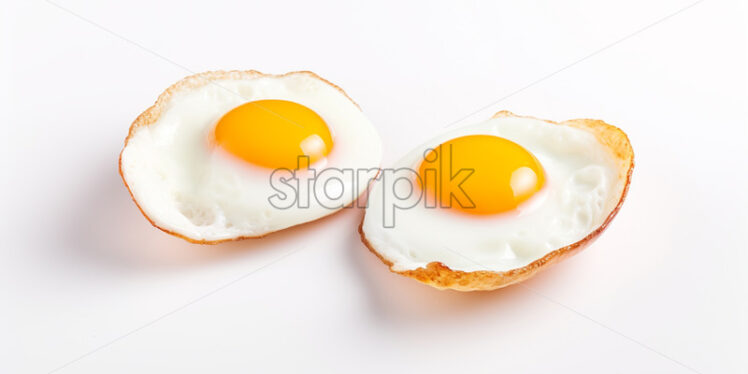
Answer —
(152, 114)
(440, 276)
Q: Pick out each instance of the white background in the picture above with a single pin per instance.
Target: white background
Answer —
(84, 277)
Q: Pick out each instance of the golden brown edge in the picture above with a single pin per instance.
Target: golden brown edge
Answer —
(153, 113)
(440, 276)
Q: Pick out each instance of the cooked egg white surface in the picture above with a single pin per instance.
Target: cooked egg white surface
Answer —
(187, 186)
(582, 187)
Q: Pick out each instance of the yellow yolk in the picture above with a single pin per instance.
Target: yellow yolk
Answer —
(274, 134)
(480, 174)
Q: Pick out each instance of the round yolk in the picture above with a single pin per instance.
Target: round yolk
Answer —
(274, 134)
(480, 174)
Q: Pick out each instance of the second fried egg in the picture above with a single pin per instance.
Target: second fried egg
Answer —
(495, 196)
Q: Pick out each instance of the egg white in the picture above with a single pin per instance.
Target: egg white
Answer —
(185, 186)
(581, 189)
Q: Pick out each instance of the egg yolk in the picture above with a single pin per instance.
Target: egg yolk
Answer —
(480, 174)
(274, 134)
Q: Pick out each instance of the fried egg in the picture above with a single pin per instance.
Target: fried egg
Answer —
(487, 205)
(200, 162)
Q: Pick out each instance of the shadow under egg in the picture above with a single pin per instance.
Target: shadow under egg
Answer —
(396, 300)
(105, 228)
